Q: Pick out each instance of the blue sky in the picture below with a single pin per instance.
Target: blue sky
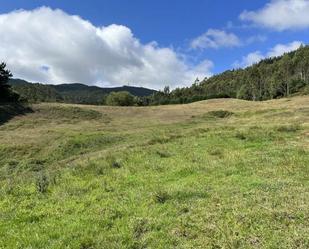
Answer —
(204, 35)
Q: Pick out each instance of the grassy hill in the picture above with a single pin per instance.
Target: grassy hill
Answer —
(212, 174)
(71, 93)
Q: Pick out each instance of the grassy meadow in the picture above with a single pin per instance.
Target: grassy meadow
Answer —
(221, 173)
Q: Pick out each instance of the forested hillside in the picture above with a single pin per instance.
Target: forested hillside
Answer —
(271, 78)
(70, 93)
(35, 92)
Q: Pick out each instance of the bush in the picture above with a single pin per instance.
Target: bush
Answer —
(42, 183)
(122, 98)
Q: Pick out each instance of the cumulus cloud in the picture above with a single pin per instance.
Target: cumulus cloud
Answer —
(215, 38)
(280, 15)
(257, 56)
(249, 59)
(280, 49)
(52, 46)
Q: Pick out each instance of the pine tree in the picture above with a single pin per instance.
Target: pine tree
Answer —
(5, 91)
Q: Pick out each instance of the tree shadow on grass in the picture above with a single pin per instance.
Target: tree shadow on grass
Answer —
(11, 110)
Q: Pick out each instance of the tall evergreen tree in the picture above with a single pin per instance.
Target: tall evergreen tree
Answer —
(6, 95)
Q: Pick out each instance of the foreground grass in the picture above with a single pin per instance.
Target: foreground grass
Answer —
(213, 174)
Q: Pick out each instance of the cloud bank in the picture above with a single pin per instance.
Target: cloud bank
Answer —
(280, 15)
(51, 46)
(257, 56)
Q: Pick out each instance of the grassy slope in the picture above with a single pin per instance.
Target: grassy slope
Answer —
(157, 177)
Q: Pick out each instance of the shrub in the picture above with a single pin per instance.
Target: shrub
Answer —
(122, 98)
(42, 183)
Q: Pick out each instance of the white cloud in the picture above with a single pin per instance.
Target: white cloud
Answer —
(249, 59)
(257, 56)
(280, 49)
(215, 38)
(256, 38)
(52, 46)
(280, 15)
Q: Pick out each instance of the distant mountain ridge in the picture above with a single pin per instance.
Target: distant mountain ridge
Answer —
(76, 93)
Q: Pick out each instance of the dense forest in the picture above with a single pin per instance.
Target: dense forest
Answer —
(271, 78)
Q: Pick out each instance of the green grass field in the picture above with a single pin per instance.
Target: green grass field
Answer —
(212, 174)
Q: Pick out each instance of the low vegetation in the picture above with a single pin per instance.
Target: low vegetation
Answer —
(213, 174)
(122, 98)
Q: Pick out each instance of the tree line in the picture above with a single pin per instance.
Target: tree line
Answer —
(271, 78)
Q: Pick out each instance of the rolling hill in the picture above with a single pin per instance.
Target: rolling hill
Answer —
(221, 173)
